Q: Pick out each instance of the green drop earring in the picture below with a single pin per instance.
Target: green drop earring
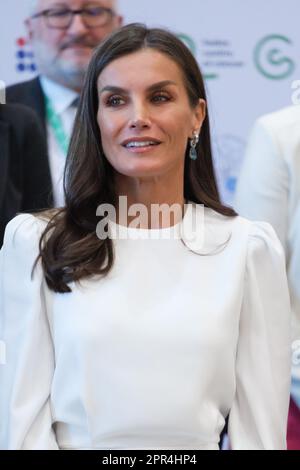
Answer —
(193, 144)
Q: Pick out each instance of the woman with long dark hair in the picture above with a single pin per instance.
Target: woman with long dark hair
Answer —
(143, 331)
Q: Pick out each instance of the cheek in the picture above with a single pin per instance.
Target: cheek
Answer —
(107, 130)
(110, 125)
(53, 38)
(177, 124)
(179, 129)
(99, 35)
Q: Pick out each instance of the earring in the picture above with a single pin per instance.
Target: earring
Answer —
(193, 144)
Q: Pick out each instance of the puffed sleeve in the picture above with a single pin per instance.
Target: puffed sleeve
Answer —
(258, 417)
(27, 371)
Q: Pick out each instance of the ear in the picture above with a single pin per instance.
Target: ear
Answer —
(28, 27)
(120, 21)
(199, 115)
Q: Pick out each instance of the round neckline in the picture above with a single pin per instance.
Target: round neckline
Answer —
(125, 229)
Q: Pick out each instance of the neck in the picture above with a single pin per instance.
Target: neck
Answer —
(161, 202)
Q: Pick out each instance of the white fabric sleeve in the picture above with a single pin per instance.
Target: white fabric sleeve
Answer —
(263, 185)
(258, 417)
(26, 377)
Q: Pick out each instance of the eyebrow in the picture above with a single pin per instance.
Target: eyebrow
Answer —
(155, 86)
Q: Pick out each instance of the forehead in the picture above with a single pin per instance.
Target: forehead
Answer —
(44, 4)
(126, 71)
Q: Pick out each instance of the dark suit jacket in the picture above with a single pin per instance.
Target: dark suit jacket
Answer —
(24, 177)
(30, 94)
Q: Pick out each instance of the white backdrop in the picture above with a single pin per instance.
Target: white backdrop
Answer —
(248, 51)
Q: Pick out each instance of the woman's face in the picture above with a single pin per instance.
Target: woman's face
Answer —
(144, 114)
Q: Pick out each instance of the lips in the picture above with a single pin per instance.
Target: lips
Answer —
(77, 45)
(140, 142)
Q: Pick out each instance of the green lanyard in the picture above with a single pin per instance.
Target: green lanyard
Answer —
(57, 126)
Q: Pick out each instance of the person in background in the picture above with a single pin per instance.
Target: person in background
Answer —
(269, 189)
(23, 176)
(149, 332)
(63, 35)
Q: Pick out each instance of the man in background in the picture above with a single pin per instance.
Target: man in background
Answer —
(23, 177)
(63, 35)
(269, 189)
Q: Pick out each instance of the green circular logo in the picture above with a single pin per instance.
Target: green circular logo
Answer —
(270, 59)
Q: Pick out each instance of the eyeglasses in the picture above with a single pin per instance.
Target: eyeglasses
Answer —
(61, 18)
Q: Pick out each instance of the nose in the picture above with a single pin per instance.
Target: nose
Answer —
(140, 118)
(77, 27)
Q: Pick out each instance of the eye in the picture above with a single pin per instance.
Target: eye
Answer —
(114, 101)
(160, 97)
(96, 11)
(57, 13)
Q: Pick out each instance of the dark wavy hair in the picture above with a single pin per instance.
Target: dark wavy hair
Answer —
(69, 247)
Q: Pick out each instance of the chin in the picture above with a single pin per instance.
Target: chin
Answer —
(73, 71)
(142, 172)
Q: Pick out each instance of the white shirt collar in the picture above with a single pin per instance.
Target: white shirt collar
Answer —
(60, 96)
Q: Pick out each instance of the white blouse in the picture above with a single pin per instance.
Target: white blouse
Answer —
(155, 355)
